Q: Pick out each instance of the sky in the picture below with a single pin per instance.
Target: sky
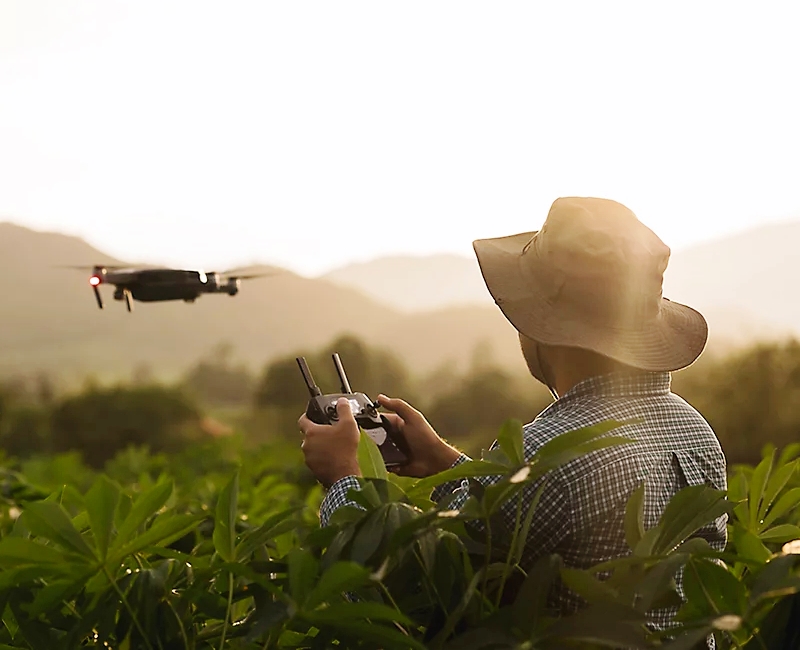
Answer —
(313, 134)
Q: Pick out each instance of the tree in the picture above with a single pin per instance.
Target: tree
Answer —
(216, 380)
(101, 422)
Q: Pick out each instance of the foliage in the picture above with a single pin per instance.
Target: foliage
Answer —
(102, 421)
(750, 398)
(223, 550)
(217, 381)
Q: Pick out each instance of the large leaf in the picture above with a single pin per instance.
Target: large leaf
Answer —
(49, 520)
(165, 530)
(787, 501)
(464, 470)
(225, 522)
(552, 449)
(101, 502)
(510, 441)
(781, 534)
(277, 524)
(18, 551)
(146, 505)
(758, 483)
(634, 517)
(689, 510)
(713, 590)
(341, 577)
(303, 569)
(370, 461)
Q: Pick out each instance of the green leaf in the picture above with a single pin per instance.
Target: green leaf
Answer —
(341, 577)
(585, 584)
(275, 525)
(49, 520)
(165, 530)
(510, 441)
(529, 606)
(609, 625)
(358, 610)
(748, 545)
(379, 635)
(146, 505)
(711, 589)
(303, 569)
(780, 534)
(788, 500)
(16, 551)
(567, 441)
(225, 522)
(370, 461)
(758, 483)
(101, 502)
(689, 510)
(464, 470)
(634, 513)
(775, 484)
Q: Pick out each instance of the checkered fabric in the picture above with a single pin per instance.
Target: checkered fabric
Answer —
(581, 511)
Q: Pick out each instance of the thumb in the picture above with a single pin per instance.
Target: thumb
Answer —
(399, 406)
(343, 409)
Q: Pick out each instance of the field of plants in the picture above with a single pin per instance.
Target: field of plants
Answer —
(219, 546)
(130, 519)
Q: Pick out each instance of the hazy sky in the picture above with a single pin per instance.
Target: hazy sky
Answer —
(309, 134)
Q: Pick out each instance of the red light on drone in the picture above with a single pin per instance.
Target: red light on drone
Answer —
(94, 280)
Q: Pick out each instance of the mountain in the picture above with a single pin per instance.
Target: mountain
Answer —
(744, 284)
(416, 283)
(50, 321)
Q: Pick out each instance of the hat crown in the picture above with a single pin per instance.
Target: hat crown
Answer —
(597, 261)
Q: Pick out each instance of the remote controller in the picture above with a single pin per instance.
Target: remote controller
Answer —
(322, 410)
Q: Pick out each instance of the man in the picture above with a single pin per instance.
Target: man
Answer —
(585, 295)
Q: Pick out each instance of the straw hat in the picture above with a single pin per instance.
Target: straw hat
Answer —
(592, 278)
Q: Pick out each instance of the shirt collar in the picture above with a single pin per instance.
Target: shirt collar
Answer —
(621, 384)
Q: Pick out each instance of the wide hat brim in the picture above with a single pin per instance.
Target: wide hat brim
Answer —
(671, 341)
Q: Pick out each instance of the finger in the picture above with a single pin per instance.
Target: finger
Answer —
(395, 421)
(343, 409)
(399, 406)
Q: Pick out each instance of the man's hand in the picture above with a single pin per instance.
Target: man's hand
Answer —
(331, 450)
(430, 454)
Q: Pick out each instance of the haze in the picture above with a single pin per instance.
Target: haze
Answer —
(314, 134)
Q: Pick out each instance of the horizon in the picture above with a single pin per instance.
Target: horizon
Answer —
(375, 131)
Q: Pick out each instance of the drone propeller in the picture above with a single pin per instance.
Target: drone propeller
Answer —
(89, 268)
(97, 296)
(252, 276)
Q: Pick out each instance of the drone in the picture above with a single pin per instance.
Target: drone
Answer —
(162, 284)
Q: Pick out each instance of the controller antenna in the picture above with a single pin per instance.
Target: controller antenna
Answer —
(340, 371)
(313, 389)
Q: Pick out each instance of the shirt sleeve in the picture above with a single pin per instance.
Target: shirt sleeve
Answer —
(336, 498)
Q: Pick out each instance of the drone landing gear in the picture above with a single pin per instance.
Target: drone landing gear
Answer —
(128, 299)
(98, 297)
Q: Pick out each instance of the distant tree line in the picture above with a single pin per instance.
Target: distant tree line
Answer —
(750, 398)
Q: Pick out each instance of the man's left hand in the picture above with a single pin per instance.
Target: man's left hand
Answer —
(331, 450)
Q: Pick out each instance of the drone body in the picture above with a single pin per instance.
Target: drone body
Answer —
(159, 284)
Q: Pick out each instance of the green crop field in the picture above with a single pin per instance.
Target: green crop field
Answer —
(219, 546)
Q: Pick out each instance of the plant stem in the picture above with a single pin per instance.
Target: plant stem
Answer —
(486, 562)
(180, 624)
(128, 607)
(511, 549)
(227, 611)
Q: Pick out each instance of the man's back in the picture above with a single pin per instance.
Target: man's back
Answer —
(581, 512)
(674, 447)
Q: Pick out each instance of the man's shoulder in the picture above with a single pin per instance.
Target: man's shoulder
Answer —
(665, 419)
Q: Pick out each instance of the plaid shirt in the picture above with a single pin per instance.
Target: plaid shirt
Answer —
(581, 511)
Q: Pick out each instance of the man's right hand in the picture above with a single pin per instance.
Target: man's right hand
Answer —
(430, 454)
